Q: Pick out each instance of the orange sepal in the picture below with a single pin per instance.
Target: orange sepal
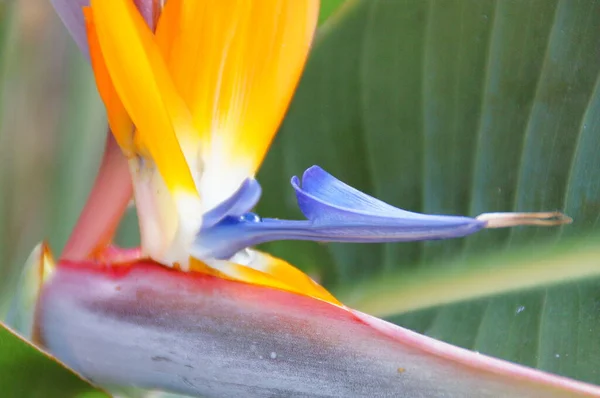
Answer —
(236, 63)
(275, 273)
(140, 77)
(118, 119)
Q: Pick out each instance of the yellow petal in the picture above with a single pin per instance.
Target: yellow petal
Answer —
(143, 84)
(236, 63)
(266, 270)
(118, 119)
(291, 276)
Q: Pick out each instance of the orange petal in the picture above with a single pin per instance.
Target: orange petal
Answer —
(143, 84)
(118, 119)
(168, 27)
(269, 271)
(236, 63)
(292, 276)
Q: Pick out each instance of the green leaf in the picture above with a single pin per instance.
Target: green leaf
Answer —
(29, 372)
(460, 107)
(328, 8)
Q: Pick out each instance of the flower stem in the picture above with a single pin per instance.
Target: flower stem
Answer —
(104, 208)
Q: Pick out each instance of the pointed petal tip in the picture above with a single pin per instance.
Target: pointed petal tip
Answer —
(48, 265)
(37, 270)
(550, 383)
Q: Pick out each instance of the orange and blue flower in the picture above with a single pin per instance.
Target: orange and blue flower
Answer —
(194, 94)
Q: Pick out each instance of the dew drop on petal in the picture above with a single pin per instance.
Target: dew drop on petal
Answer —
(250, 217)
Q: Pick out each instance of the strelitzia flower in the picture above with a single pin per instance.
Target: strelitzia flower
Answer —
(193, 106)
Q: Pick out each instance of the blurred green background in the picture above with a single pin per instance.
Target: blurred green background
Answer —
(51, 133)
(447, 106)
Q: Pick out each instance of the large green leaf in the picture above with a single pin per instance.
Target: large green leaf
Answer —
(328, 8)
(28, 372)
(460, 107)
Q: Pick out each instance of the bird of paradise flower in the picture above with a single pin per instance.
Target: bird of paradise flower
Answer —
(193, 105)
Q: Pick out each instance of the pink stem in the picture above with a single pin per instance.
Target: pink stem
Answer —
(105, 207)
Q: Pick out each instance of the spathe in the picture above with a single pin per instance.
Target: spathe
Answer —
(156, 328)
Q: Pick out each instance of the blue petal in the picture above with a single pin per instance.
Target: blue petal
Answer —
(335, 212)
(323, 198)
(238, 204)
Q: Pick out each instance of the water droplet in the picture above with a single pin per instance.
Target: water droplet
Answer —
(273, 355)
(557, 355)
(520, 309)
(250, 217)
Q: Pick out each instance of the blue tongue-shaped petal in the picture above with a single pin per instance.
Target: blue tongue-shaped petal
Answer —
(335, 212)
(238, 204)
(323, 198)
